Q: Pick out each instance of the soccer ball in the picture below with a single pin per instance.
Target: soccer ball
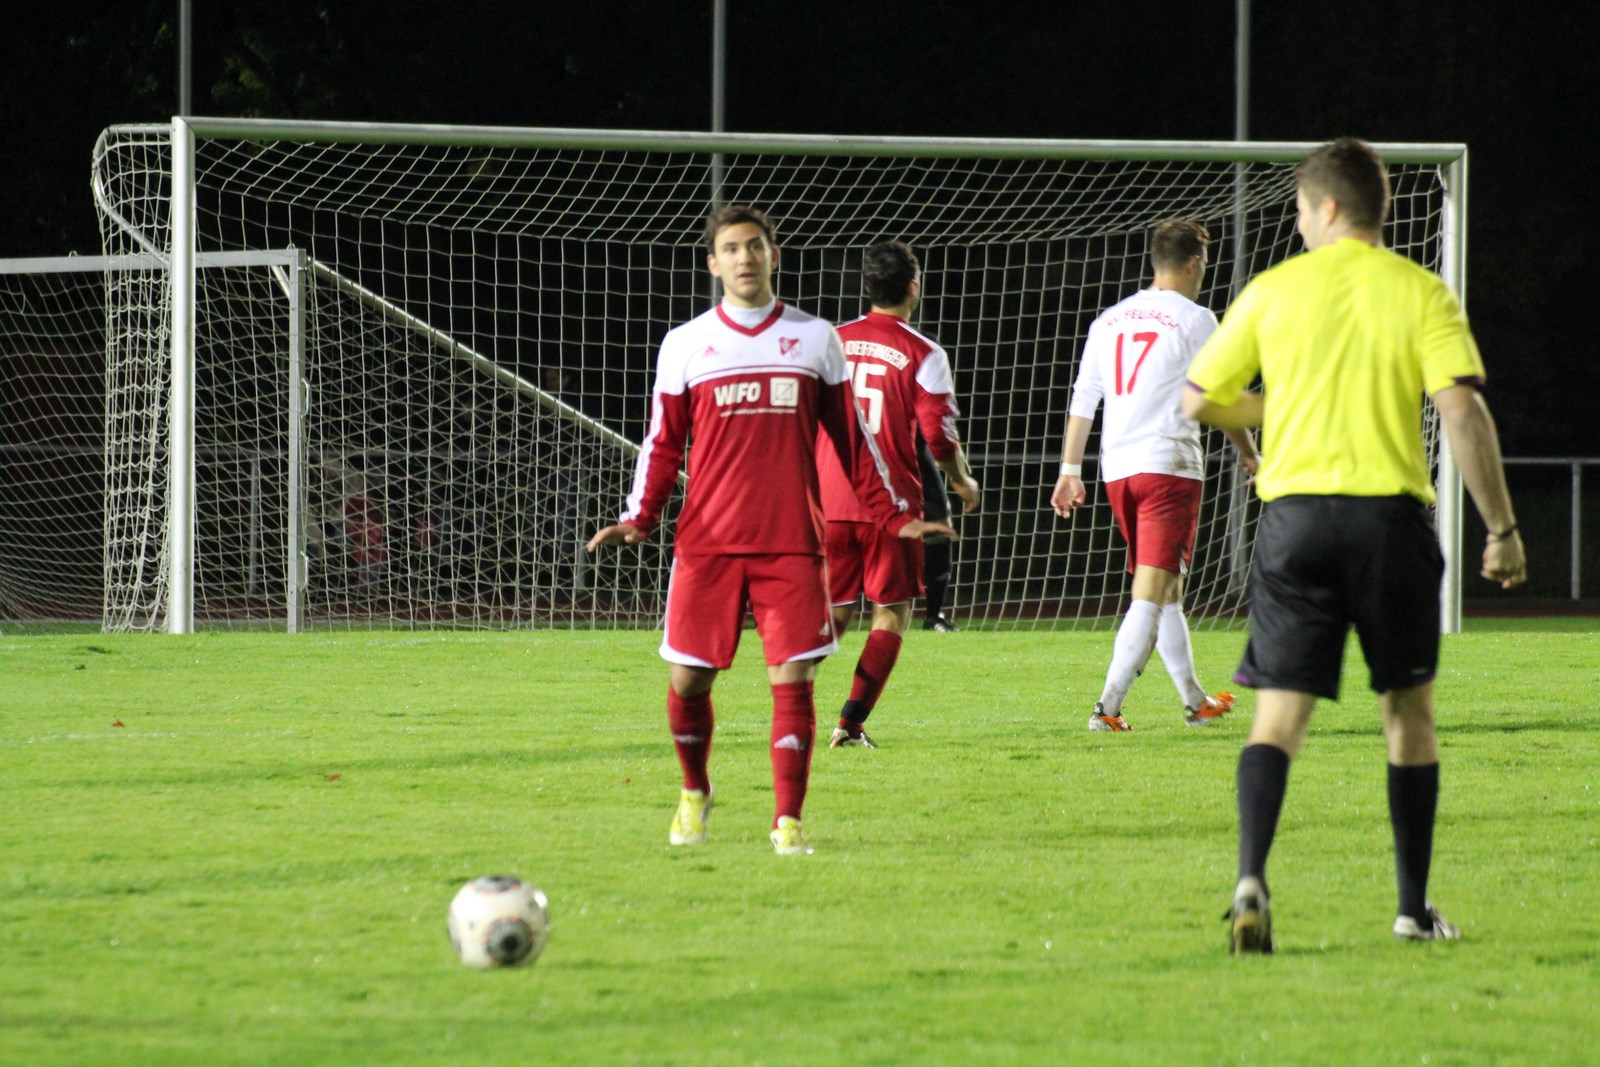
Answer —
(499, 921)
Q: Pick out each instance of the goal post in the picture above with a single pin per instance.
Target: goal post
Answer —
(1451, 509)
(483, 304)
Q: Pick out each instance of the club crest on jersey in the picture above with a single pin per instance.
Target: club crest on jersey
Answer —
(789, 347)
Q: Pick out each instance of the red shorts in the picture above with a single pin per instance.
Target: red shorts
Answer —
(706, 604)
(865, 558)
(1157, 514)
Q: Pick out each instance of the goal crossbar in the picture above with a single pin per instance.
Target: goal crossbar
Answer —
(797, 144)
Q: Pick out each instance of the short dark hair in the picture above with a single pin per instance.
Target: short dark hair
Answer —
(733, 215)
(1351, 171)
(1175, 242)
(887, 270)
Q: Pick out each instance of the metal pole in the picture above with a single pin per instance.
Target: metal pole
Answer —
(180, 446)
(719, 67)
(295, 563)
(1450, 508)
(185, 58)
(1241, 132)
(1238, 488)
(1241, 73)
(719, 91)
(1577, 531)
(719, 108)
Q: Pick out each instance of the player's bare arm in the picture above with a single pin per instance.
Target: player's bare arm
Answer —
(623, 533)
(1476, 447)
(1244, 444)
(1069, 492)
(962, 483)
(1243, 414)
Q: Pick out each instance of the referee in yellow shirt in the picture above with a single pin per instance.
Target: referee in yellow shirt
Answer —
(1346, 339)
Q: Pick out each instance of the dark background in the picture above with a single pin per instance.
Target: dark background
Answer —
(1517, 83)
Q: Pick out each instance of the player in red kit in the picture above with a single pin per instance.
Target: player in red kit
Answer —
(750, 382)
(902, 383)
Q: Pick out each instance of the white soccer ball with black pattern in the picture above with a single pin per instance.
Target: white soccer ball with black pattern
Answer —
(499, 921)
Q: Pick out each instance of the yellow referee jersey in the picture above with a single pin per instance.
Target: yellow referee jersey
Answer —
(1347, 339)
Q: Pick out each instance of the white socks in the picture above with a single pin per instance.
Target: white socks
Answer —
(1135, 638)
(1172, 641)
(1150, 627)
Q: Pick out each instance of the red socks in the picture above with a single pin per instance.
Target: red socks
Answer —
(794, 732)
(794, 729)
(691, 720)
(878, 658)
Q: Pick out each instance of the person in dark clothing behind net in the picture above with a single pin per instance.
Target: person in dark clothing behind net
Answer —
(936, 550)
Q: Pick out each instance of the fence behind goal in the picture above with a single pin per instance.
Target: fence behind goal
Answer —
(419, 414)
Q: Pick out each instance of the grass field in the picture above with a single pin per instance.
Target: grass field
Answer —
(239, 848)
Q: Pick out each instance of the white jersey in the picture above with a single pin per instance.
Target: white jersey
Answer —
(1136, 359)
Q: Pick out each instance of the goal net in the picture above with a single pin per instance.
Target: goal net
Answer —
(52, 458)
(419, 420)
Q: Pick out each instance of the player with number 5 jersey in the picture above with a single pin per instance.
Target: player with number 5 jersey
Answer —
(1135, 362)
(903, 385)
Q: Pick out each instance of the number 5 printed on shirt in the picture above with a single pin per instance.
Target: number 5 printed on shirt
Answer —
(870, 395)
(1149, 341)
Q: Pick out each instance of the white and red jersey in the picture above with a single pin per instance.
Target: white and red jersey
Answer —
(1135, 359)
(902, 382)
(752, 386)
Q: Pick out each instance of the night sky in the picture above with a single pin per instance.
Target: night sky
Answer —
(1518, 88)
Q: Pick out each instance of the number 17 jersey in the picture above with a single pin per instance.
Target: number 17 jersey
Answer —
(1135, 360)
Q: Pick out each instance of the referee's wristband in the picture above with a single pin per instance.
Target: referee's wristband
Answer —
(1503, 534)
(1074, 469)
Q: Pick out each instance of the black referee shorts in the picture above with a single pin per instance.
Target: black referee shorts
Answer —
(1326, 563)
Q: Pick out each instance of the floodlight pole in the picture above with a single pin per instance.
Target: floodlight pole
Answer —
(185, 57)
(719, 107)
(1241, 132)
(1238, 484)
(719, 67)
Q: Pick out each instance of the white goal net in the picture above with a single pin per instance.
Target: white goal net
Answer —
(52, 440)
(439, 393)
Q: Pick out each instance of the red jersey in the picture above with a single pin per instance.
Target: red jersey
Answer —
(753, 387)
(902, 383)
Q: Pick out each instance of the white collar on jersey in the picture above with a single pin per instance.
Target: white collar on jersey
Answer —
(749, 317)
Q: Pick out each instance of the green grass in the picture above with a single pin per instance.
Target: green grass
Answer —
(239, 848)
